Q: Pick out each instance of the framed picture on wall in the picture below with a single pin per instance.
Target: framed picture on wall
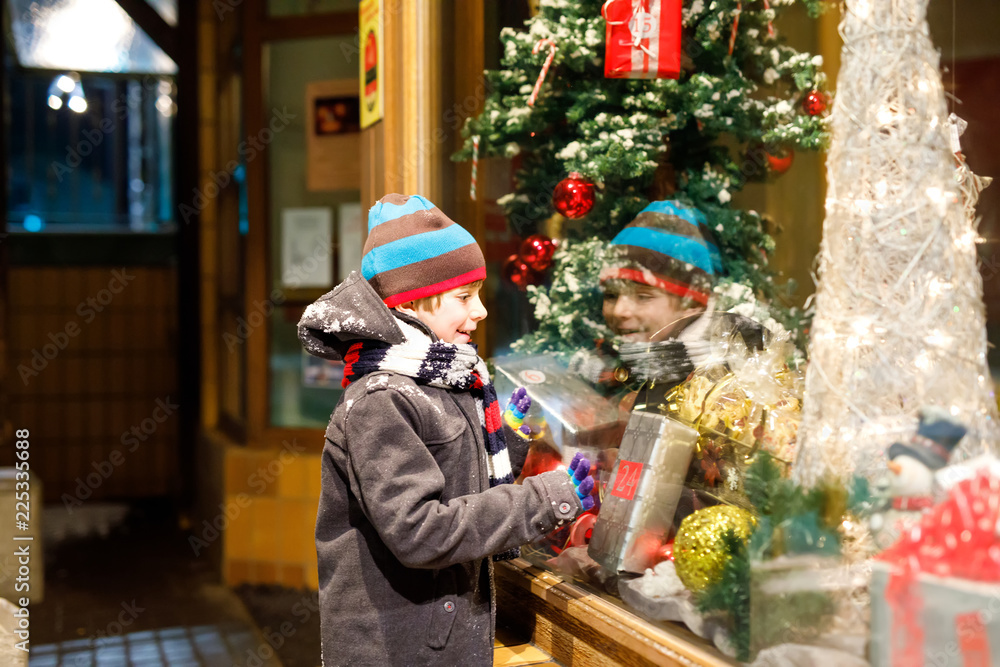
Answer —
(306, 239)
(333, 136)
(336, 115)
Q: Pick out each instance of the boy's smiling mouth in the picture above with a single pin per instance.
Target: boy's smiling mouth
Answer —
(634, 334)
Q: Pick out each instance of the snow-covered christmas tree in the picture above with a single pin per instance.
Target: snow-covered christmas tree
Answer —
(741, 99)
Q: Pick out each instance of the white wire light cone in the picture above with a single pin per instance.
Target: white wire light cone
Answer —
(900, 321)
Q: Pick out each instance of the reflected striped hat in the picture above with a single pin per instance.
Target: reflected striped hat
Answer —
(414, 251)
(669, 246)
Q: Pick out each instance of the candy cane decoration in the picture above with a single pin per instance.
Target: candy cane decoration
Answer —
(475, 167)
(545, 67)
(770, 26)
(736, 24)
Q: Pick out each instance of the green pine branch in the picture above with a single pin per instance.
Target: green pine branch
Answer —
(702, 136)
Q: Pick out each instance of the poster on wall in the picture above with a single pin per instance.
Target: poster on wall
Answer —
(333, 136)
(370, 32)
(306, 237)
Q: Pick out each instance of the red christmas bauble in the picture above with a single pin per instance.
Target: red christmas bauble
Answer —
(779, 164)
(666, 552)
(814, 103)
(537, 251)
(646, 548)
(517, 271)
(574, 196)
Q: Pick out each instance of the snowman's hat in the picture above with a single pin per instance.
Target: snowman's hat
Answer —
(936, 437)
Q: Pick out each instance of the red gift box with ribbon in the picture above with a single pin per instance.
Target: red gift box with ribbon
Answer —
(938, 596)
(643, 39)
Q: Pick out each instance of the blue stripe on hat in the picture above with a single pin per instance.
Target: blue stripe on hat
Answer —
(681, 248)
(670, 207)
(384, 211)
(414, 248)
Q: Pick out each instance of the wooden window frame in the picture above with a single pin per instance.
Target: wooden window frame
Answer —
(411, 33)
(259, 30)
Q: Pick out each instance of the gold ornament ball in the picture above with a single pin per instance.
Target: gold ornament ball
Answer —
(699, 553)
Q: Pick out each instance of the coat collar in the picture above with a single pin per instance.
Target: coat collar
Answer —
(350, 312)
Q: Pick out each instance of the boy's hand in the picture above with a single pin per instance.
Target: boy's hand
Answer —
(579, 473)
(517, 408)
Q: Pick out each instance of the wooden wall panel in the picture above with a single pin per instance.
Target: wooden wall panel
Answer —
(106, 379)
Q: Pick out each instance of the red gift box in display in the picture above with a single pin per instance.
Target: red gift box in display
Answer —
(643, 39)
(936, 599)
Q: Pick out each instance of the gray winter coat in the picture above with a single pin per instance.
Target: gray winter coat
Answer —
(406, 520)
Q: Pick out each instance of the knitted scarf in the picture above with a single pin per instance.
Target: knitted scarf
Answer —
(446, 366)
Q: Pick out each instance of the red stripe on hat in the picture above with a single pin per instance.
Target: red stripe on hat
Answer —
(647, 278)
(436, 288)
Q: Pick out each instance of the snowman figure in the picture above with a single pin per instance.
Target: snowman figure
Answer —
(909, 487)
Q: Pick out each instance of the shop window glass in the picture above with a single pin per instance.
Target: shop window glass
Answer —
(90, 152)
(692, 437)
(306, 220)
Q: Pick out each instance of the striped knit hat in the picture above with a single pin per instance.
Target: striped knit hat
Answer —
(415, 251)
(669, 246)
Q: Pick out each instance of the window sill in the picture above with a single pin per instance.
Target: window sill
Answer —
(579, 628)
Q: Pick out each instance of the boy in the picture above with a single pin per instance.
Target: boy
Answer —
(416, 493)
(657, 279)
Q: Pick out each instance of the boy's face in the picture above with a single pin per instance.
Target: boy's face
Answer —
(456, 318)
(641, 313)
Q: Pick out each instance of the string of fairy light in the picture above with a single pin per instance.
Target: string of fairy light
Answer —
(900, 321)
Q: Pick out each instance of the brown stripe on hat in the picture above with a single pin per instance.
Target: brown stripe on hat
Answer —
(417, 222)
(671, 224)
(430, 271)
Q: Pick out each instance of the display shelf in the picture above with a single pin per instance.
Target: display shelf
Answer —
(580, 628)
